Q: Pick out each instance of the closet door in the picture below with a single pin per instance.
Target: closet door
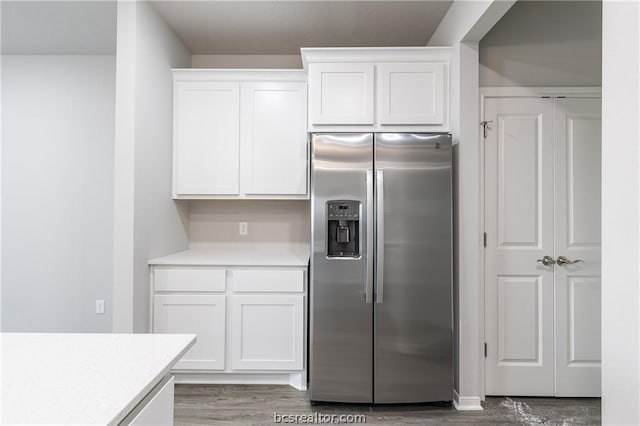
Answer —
(519, 190)
(577, 236)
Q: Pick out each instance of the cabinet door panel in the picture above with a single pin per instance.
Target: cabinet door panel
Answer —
(203, 315)
(274, 138)
(267, 332)
(341, 93)
(411, 93)
(206, 139)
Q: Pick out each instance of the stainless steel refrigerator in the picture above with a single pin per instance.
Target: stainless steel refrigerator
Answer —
(381, 288)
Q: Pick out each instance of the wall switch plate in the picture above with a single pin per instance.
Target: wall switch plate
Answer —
(244, 228)
(99, 306)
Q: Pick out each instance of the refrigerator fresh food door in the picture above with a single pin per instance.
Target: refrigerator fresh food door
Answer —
(413, 338)
(341, 290)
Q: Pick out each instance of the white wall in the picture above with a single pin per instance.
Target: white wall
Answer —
(621, 214)
(57, 186)
(160, 224)
(247, 61)
(272, 222)
(544, 43)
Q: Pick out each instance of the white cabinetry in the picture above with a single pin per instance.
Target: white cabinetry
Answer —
(267, 332)
(202, 315)
(378, 89)
(411, 93)
(240, 134)
(207, 139)
(249, 321)
(341, 94)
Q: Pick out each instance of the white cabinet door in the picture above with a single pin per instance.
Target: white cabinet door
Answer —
(206, 138)
(411, 93)
(519, 224)
(341, 94)
(274, 138)
(203, 315)
(577, 224)
(267, 332)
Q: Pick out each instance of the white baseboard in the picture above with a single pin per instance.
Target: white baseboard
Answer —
(466, 403)
(296, 380)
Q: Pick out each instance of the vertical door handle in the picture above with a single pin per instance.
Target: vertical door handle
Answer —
(368, 285)
(379, 235)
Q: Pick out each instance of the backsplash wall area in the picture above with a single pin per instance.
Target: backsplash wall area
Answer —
(213, 222)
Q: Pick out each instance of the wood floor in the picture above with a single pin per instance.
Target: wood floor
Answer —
(259, 404)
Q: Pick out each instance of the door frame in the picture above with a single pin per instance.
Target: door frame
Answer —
(511, 92)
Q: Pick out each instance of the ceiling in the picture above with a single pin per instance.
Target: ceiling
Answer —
(223, 27)
(283, 27)
(58, 27)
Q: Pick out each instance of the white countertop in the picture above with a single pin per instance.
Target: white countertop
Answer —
(240, 255)
(65, 379)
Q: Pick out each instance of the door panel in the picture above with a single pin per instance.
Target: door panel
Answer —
(207, 139)
(519, 226)
(577, 199)
(413, 310)
(274, 138)
(203, 315)
(341, 340)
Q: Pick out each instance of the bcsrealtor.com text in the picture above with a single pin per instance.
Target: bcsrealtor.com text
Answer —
(319, 418)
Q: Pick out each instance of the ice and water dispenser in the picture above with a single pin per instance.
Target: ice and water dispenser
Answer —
(343, 227)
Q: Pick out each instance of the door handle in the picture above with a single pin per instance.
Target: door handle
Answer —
(379, 235)
(368, 290)
(547, 260)
(564, 261)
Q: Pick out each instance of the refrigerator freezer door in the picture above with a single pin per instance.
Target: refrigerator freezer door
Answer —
(341, 325)
(413, 336)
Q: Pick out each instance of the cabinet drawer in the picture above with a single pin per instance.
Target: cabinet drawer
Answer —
(271, 281)
(189, 279)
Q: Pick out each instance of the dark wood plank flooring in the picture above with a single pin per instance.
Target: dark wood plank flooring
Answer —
(257, 405)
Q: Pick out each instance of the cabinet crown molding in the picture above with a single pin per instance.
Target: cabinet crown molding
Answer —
(373, 54)
(238, 75)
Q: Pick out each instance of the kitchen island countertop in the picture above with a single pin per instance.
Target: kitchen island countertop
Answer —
(60, 378)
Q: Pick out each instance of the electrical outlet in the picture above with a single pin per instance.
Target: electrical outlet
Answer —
(99, 306)
(244, 228)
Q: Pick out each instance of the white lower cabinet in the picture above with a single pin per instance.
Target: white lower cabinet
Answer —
(267, 332)
(202, 314)
(250, 327)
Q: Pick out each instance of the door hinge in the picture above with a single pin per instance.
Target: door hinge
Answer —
(485, 349)
(484, 239)
(484, 125)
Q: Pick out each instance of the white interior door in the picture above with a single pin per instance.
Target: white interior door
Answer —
(577, 235)
(542, 196)
(519, 226)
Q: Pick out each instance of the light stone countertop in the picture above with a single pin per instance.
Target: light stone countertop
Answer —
(67, 379)
(240, 255)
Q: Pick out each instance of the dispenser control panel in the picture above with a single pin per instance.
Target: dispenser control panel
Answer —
(343, 211)
(343, 228)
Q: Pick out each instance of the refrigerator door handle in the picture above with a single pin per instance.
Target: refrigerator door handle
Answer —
(379, 235)
(368, 290)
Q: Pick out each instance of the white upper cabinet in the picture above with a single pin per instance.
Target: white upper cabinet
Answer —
(411, 93)
(240, 134)
(378, 89)
(206, 138)
(341, 93)
(274, 149)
